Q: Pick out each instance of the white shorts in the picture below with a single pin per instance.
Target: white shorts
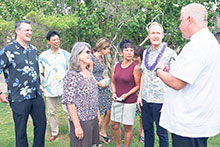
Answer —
(123, 113)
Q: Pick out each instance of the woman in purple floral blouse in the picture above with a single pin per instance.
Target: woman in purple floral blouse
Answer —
(81, 98)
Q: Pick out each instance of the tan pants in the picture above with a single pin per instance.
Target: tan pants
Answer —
(52, 114)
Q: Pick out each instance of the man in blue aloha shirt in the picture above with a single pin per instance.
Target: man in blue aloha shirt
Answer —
(19, 63)
(53, 65)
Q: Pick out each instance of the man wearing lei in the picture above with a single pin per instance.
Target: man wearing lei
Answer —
(152, 89)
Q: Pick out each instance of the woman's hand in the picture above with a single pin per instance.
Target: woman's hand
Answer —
(102, 85)
(114, 96)
(99, 117)
(123, 96)
(99, 120)
(79, 132)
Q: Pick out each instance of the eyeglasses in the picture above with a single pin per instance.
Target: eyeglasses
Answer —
(88, 52)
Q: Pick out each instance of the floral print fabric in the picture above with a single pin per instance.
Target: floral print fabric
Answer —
(153, 88)
(81, 92)
(21, 71)
(104, 101)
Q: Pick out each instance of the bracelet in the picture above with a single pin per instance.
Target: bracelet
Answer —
(157, 70)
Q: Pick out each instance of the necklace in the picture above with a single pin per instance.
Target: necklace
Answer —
(157, 59)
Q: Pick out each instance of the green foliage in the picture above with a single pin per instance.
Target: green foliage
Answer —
(6, 25)
(43, 23)
(93, 19)
(6, 31)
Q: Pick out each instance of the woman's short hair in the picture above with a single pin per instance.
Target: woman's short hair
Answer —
(126, 44)
(102, 43)
(138, 51)
(78, 47)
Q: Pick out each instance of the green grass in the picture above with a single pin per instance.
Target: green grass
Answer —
(7, 134)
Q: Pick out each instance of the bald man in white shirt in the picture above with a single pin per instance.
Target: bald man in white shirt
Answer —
(191, 109)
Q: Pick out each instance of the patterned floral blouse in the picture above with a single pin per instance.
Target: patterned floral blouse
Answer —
(21, 71)
(153, 88)
(81, 92)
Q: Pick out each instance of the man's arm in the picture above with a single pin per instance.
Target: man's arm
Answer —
(170, 80)
(139, 100)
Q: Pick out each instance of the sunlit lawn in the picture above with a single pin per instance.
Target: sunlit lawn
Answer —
(7, 135)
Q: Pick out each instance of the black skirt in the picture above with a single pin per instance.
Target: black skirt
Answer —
(91, 133)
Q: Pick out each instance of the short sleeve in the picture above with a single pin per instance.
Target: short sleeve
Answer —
(69, 88)
(188, 64)
(142, 64)
(67, 57)
(41, 66)
(3, 60)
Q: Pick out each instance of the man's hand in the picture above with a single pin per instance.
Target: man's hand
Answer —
(42, 89)
(4, 98)
(161, 66)
(139, 103)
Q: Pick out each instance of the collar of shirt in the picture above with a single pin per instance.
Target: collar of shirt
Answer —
(20, 46)
(59, 51)
(199, 33)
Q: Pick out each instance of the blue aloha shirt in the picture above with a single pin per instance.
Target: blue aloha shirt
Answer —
(21, 71)
(54, 68)
(153, 88)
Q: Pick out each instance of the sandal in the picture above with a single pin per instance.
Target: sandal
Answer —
(122, 138)
(98, 145)
(104, 139)
(141, 139)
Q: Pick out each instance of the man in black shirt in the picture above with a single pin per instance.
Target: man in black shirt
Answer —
(19, 63)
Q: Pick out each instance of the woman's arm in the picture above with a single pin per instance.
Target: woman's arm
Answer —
(99, 117)
(114, 95)
(137, 77)
(73, 114)
(91, 65)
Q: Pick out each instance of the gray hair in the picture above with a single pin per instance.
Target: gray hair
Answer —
(197, 11)
(18, 23)
(155, 23)
(78, 47)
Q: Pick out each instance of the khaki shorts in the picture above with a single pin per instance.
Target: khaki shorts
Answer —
(123, 113)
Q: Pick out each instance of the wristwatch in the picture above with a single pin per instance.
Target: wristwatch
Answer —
(1, 93)
(157, 70)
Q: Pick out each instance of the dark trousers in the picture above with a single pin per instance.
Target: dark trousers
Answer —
(150, 114)
(21, 110)
(179, 141)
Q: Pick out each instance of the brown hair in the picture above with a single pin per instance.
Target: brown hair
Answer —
(102, 43)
